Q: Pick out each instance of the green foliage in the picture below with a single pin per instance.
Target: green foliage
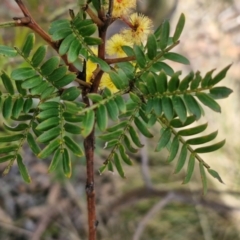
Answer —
(150, 93)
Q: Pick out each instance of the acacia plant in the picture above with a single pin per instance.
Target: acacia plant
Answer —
(120, 87)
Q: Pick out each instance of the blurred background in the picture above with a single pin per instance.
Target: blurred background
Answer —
(151, 203)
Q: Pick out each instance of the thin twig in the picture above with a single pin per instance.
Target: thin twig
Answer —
(93, 16)
(150, 214)
(118, 60)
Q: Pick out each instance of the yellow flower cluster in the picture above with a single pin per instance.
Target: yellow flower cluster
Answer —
(105, 81)
(122, 7)
(140, 27)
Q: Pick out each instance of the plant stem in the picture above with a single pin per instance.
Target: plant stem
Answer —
(90, 192)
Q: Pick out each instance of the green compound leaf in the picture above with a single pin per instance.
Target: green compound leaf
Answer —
(208, 101)
(92, 41)
(55, 160)
(192, 105)
(157, 106)
(6, 158)
(67, 165)
(184, 84)
(49, 149)
(23, 170)
(40, 88)
(117, 126)
(49, 135)
(64, 81)
(27, 105)
(74, 50)
(168, 108)
(176, 123)
(118, 165)
(19, 128)
(164, 35)
(196, 81)
(48, 124)
(164, 139)
(71, 94)
(102, 64)
(71, 128)
(8, 51)
(151, 83)
(8, 149)
(39, 56)
(161, 82)
(61, 33)
(134, 97)
(17, 107)
(88, 123)
(220, 76)
(161, 66)
(215, 174)
(180, 108)
(203, 177)
(151, 46)
(174, 82)
(176, 58)
(182, 159)
(129, 145)
(32, 82)
(95, 97)
(190, 169)
(210, 148)
(112, 109)
(50, 104)
(173, 149)
(140, 56)
(202, 139)
(22, 73)
(179, 28)
(124, 155)
(87, 30)
(32, 144)
(46, 114)
(7, 82)
(142, 127)
(57, 74)
(120, 103)
(65, 44)
(207, 78)
(193, 130)
(7, 107)
(111, 135)
(59, 24)
(50, 65)
(102, 169)
(135, 137)
(102, 117)
(220, 92)
(28, 45)
(73, 146)
(22, 91)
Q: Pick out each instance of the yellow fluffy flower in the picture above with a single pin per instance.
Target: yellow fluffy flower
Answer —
(107, 82)
(90, 67)
(122, 7)
(141, 27)
(114, 45)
